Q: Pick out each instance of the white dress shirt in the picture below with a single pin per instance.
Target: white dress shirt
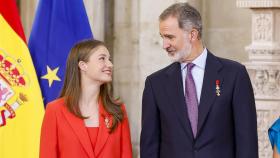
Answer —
(197, 72)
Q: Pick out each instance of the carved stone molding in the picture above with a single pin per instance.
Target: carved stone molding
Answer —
(267, 113)
(258, 3)
(263, 54)
(262, 27)
(265, 78)
(265, 37)
(263, 125)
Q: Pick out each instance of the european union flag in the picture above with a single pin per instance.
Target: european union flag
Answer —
(58, 25)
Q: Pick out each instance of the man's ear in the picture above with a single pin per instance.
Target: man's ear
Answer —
(82, 65)
(194, 35)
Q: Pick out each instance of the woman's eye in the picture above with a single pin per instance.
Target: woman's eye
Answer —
(102, 58)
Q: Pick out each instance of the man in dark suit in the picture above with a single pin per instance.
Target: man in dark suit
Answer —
(200, 106)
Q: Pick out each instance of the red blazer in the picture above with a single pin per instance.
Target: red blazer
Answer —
(64, 135)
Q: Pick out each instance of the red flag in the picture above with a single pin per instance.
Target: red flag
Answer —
(9, 11)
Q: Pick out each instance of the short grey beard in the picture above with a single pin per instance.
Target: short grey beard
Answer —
(181, 55)
(178, 56)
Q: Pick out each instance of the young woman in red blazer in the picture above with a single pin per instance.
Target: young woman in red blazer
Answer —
(86, 122)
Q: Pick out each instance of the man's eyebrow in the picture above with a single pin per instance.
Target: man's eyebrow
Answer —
(166, 35)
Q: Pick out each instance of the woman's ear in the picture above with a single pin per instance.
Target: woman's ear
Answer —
(82, 65)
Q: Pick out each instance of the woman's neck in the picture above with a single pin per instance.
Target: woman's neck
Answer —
(89, 95)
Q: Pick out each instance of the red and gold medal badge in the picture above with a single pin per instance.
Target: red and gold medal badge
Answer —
(218, 89)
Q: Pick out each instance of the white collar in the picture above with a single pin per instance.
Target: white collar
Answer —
(200, 61)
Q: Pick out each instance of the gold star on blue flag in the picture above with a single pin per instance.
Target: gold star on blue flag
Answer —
(51, 75)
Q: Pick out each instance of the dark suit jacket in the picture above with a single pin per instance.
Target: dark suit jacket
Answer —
(227, 126)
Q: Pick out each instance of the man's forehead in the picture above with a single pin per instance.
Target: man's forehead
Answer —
(169, 20)
(168, 25)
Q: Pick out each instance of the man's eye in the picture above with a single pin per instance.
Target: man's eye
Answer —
(102, 58)
(170, 37)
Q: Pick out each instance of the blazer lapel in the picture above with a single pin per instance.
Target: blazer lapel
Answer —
(175, 92)
(208, 92)
(79, 129)
(103, 132)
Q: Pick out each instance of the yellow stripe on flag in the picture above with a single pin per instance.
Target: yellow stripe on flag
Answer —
(20, 137)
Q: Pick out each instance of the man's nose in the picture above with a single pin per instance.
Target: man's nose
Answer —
(165, 44)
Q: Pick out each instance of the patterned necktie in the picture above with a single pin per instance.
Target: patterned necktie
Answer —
(191, 98)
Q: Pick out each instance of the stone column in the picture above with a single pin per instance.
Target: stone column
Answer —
(126, 63)
(264, 65)
(95, 12)
(27, 14)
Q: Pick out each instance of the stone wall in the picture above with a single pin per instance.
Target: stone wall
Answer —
(227, 29)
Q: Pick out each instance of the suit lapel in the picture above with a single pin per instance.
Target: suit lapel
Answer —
(174, 89)
(103, 132)
(79, 129)
(208, 92)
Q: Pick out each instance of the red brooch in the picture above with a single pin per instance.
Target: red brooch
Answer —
(218, 91)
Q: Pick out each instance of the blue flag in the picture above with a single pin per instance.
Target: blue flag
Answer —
(58, 25)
